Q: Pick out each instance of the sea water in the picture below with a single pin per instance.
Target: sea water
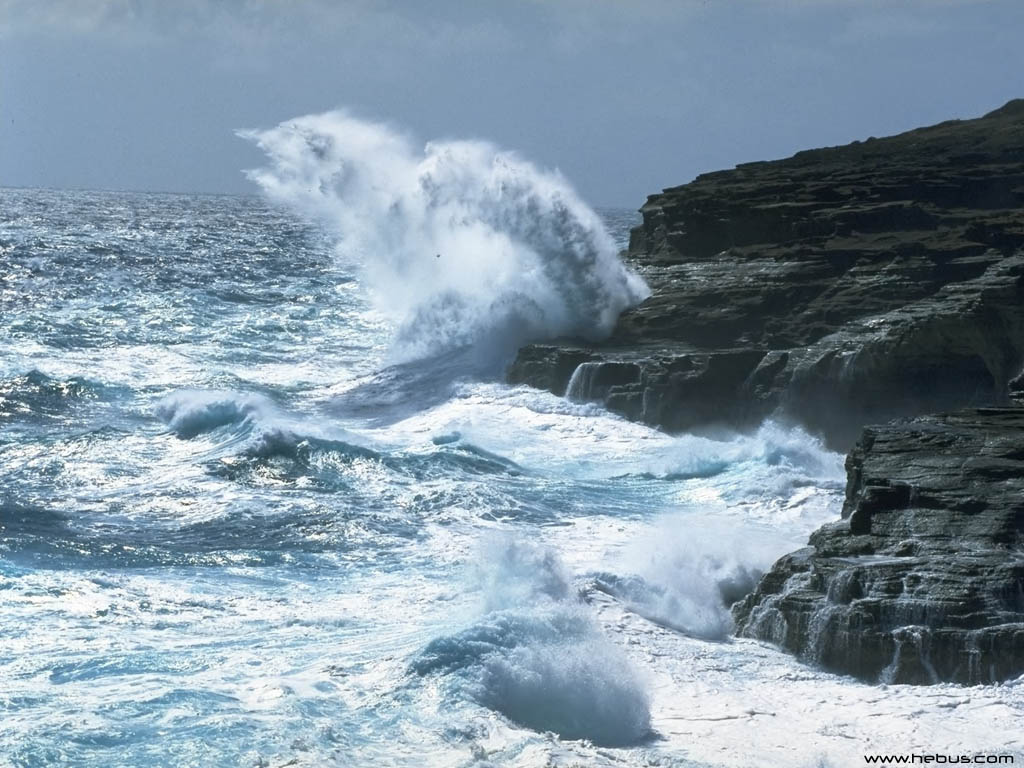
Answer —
(266, 500)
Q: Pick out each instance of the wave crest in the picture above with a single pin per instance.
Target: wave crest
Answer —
(190, 413)
(462, 244)
(537, 657)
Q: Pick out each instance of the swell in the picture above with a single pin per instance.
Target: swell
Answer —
(38, 395)
(290, 532)
(248, 441)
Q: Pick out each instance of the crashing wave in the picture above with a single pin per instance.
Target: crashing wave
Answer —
(462, 244)
(537, 657)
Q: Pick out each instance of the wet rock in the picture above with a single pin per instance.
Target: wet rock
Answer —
(922, 579)
(837, 288)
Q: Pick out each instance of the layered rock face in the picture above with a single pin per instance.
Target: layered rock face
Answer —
(836, 288)
(922, 580)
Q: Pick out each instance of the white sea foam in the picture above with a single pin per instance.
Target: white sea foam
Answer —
(264, 430)
(685, 572)
(547, 433)
(314, 581)
(536, 655)
(514, 574)
(462, 244)
(790, 450)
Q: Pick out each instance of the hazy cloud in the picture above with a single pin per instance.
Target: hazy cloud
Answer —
(624, 96)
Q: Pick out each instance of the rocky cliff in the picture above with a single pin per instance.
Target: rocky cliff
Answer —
(837, 288)
(922, 580)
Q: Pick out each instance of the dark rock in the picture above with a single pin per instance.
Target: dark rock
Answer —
(836, 288)
(922, 580)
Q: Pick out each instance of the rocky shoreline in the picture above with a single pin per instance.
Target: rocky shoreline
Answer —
(840, 288)
(922, 579)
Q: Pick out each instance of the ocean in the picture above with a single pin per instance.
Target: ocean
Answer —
(266, 500)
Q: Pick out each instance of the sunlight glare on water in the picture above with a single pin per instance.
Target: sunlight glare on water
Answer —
(229, 536)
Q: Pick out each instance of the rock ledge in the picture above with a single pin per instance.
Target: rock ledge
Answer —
(837, 288)
(922, 580)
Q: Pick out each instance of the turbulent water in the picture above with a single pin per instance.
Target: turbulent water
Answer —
(265, 500)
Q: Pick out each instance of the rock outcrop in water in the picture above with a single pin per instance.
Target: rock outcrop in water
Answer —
(922, 580)
(839, 288)
(836, 288)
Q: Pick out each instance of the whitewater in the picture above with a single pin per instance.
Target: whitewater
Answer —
(265, 498)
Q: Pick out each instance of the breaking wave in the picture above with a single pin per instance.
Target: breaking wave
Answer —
(537, 657)
(462, 244)
(686, 572)
(190, 413)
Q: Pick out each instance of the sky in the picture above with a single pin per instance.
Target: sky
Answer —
(624, 97)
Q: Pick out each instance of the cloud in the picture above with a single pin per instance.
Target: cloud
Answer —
(571, 23)
(161, 19)
(248, 28)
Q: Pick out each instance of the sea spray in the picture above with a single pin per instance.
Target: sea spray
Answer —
(686, 572)
(461, 244)
(536, 655)
(793, 457)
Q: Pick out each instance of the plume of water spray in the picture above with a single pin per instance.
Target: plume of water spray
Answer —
(537, 656)
(461, 244)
